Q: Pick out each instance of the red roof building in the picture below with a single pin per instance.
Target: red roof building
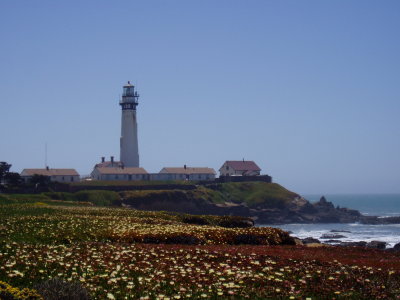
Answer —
(239, 168)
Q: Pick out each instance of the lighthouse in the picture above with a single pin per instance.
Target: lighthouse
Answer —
(129, 149)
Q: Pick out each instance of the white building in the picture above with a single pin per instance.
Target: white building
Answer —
(129, 149)
(185, 173)
(59, 175)
(119, 173)
(239, 168)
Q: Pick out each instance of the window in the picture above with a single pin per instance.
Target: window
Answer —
(227, 168)
(72, 178)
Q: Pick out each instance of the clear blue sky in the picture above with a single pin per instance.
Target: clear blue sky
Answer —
(310, 90)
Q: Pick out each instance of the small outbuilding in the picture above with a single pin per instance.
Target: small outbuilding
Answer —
(59, 175)
(239, 168)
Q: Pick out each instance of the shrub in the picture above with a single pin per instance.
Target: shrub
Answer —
(234, 222)
(57, 289)
(183, 239)
(247, 239)
(7, 292)
(98, 198)
(196, 220)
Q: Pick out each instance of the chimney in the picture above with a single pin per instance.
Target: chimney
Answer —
(47, 168)
(112, 160)
(243, 159)
(103, 159)
(184, 166)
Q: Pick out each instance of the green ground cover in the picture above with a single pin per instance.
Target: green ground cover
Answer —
(117, 253)
(268, 195)
(254, 193)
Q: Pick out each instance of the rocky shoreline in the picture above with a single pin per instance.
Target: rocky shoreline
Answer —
(323, 211)
(299, 210)
(333, 240)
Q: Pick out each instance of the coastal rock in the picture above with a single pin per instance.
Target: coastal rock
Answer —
(294, 209)
(397, 247)
(377, 245)
(298, 241)
(336, 242)
(310, 240)
(354, 244)
(374, 220)
(332, 236)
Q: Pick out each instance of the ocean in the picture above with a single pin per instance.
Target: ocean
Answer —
(369, 204)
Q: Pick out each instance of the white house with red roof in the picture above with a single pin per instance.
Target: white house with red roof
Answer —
(239, 168)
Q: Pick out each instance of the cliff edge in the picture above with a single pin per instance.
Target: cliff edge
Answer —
(266, 203)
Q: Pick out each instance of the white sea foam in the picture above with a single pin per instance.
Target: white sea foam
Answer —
(357, 232)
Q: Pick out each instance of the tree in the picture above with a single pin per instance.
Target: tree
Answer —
(13, 180)
(40, 180)
(4, 169)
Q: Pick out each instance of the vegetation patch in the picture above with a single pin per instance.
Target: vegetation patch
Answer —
(115, 253)
(96, 197)
(268, 195)
(8, 292)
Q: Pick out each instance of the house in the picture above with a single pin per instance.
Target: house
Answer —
(239, 168)
(118, 173)
(185, 173)
(59, 175)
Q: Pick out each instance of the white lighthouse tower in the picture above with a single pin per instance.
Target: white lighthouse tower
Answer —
(129, 150)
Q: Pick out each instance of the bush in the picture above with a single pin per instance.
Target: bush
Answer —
(7, 292)
(57, 289)
(196, 220)
(247, 239)
(234, 222)
(183, 239)
(97, 197)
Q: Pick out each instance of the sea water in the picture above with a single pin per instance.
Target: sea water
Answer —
(373, 205)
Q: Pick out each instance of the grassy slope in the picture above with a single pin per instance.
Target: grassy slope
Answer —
(82, 198)
(254, 193)
(251, 193)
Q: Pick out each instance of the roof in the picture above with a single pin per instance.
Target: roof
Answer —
(188, 170)
(116, 170)
(109, 164)
(49, 172)
(243, 165)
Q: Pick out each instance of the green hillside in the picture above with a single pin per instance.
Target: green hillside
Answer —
(252, 193)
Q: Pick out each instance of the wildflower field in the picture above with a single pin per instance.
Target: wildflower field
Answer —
(127, 254)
